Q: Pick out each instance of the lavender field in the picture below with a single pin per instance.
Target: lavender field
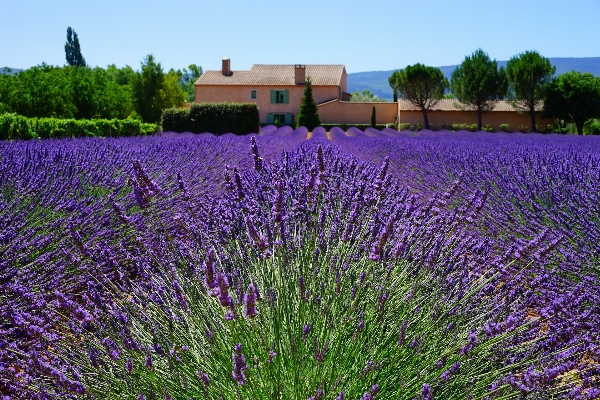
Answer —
(349, 265)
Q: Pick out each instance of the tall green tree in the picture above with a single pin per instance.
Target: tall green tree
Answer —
(308, 116)
(528, 75)
(155, 91)
(421, 85)
(478, 83)
(373, 118)
(73, 50)
(366, 96)
(188, 79)
(573, 97)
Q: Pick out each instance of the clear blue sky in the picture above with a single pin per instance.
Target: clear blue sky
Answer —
(367, 35)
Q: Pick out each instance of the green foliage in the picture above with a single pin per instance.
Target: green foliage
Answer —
(188, 79)
(217, 118)
(523, 128)
(405, 126)
(373, 117)
(528, 76)
(176, 120)
(154, 91)
(73, 50)
(488, 128)
(479, 84)
(366, 96)
(421, 85)
(449, 96)
(464, 127)
(573, 97)
(308, 115)
(592, 128)
(505, 128)
(13, 126)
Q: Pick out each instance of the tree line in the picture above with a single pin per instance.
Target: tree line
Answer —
(528, 82)
(81, 92)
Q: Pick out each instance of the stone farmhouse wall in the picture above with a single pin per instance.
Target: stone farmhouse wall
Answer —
(494, 118)
(345, 112)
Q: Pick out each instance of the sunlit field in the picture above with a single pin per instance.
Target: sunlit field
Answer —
(301, 265)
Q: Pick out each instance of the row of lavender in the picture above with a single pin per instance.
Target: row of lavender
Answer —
(360, 247)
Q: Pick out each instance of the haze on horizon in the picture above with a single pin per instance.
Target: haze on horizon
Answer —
(374, 35)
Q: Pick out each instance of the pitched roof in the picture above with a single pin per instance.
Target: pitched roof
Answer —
(455, 105)
(274, 75)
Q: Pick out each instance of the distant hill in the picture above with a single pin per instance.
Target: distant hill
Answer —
(9, 71)
(377, 81)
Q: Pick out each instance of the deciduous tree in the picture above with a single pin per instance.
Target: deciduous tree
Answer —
(528, 76)
(188, 79)
(479, 84)
(308, 116)
(421, 85)
(154, 91)
(573, 97)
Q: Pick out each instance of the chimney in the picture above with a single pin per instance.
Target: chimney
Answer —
(300, 74)
(226, 67)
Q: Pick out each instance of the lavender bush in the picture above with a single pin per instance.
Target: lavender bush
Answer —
(202, 267)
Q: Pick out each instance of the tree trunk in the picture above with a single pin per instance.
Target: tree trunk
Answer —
(479, 118)
(532, 112)
(579, 125)
(425, 119)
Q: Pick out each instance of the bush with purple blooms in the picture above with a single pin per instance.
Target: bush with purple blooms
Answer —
(311, 273)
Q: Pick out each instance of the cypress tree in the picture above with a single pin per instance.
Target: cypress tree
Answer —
(73, 50)
(373, 118)
(308, 116)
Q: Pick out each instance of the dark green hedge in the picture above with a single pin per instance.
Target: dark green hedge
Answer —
(13, 126)
(217, 118)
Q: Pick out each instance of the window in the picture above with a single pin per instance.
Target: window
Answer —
(279, 99)
(253, 94)
(279, 96)
(279, 119)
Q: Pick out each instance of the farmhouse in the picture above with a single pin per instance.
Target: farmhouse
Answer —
(276, 89)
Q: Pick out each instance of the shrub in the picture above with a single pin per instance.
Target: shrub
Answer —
(488, 128)
(523, 128)
(504, 127)
(219, 118)
(176, 120)
(404, 126)
(446, 127)
(433, 127)
(13, 126)
(472, 127)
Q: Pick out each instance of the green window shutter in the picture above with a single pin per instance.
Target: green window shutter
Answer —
(288, 118)
(270, 117)
(272, 97)
(286, 97)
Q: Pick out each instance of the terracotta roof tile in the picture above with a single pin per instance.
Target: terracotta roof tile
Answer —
(455, 105)
(274, 75)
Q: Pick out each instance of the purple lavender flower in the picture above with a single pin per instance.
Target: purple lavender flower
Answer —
(271, 355)
(239, 365)
(129, 366)
(224, 297)
(446, 375)
(306, 331)
(250, 302)
(210, 276)
(426, 392)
